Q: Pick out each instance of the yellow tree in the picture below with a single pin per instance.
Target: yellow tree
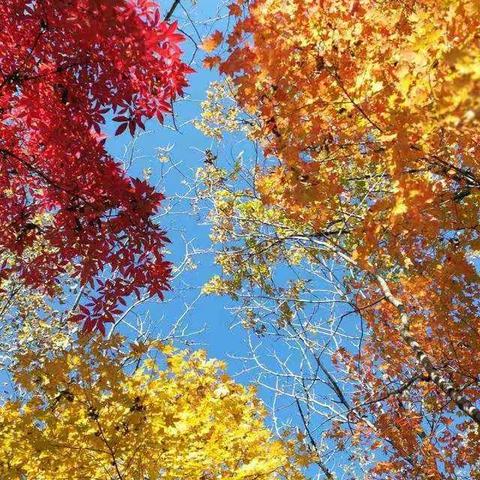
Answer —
(29, 319)
(103, 411)
(373, 109)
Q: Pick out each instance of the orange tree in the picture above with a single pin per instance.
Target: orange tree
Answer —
(372, 110)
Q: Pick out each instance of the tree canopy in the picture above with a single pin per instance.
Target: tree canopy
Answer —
(65, 67)
(371, 110)
(341, 187)
(101, 410)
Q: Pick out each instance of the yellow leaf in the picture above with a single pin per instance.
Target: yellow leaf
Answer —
(400, 207)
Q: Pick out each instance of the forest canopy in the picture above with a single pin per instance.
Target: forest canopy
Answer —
(299, 175)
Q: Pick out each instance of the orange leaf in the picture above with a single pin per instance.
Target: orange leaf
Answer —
(210, 62)
(234, 9)
(212, 42)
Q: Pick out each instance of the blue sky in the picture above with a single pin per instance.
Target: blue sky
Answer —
(185, 148)
(209, 319)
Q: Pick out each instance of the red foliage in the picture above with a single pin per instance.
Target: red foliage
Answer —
(64, 65)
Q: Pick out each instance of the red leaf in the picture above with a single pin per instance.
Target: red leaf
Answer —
(56, 161)
(121, 128)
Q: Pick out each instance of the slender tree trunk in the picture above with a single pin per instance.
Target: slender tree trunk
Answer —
(443, 383)
(465, 405)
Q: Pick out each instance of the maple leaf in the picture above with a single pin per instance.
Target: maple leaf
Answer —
(211, 62)
(212, 42)
(234, 9)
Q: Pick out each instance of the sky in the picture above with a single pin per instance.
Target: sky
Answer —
(203, 321)
(205, 318)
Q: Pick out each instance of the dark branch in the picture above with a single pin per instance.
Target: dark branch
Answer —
(169, 14)
(328, 474)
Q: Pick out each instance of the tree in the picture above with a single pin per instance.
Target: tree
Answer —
(101, 410)
(66, 66)
(29, 322)
(372, 110)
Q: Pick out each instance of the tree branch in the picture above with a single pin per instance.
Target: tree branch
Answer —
(169, 14)
(465, 405)
(323, 467)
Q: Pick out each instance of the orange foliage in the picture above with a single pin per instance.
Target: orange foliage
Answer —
(373, 109)
(212, 42)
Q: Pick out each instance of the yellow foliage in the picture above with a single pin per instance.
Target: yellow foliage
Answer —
(28, 320)
(98, 412)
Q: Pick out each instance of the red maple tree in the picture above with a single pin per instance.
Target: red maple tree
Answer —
(64, 66)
